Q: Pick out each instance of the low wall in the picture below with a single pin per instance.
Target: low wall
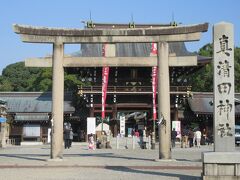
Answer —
(221, 165)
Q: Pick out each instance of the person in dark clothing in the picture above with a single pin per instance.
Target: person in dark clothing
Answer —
(173, 137)
(67, 135)
(190, 138)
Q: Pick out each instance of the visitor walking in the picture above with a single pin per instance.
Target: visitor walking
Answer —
(198, 136)
(66, 135)
(173, 137)
(185, 134)
(91, 142)
(190, 138)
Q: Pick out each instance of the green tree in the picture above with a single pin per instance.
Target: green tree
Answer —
(17, 77)
(43, 81)
(5, 85)
(202, 80)
(237, 68)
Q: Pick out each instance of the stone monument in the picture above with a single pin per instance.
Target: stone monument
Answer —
(224, 162)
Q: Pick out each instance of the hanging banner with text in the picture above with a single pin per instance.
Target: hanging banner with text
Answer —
(105, 74)
(154, 80)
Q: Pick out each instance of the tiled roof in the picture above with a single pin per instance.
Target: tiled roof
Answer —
(27, 102)
(137, 50)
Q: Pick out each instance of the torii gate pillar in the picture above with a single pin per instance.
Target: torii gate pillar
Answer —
(164, 102)
(57, 101)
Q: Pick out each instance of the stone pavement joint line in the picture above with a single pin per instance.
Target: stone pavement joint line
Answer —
(102, 167)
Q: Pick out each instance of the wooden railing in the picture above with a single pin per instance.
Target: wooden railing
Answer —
(131, 89)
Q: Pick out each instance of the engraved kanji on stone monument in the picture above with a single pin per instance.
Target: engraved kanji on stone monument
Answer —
(224, 45)
(224, 108)
(224, 68)
(224, 88)
(224, 130)
(224, 120)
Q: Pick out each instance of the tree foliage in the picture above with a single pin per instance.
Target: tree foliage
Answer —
(17, 77)
(237, 68)
(202, 80)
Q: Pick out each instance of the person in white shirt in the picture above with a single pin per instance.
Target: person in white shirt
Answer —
(198, 136)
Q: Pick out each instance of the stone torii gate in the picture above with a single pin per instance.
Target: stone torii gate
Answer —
(160, 35)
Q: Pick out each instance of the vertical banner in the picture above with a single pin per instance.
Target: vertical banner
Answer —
(154, 90)
(122, 126)
(224, 110)
(105, 74)
(154, 80)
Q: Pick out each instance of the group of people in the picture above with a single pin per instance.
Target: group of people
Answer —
(68, 138)
(102, 140)
(189, 137)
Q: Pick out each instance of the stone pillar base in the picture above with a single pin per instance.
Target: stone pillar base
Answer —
(221, 165)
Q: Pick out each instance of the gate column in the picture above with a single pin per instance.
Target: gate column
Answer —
(163, 101)
(57, 100)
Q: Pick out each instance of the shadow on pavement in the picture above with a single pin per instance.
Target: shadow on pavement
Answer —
(188, 160)
(111, 155)
(130, 170)
(104, 155)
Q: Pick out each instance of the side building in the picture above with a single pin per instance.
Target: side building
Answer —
(29, 115)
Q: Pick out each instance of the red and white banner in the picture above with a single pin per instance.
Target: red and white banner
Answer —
(105, 74)
(154, 49)
(154, 80)
(154, 90)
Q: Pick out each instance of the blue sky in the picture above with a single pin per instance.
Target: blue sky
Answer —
(70, 13)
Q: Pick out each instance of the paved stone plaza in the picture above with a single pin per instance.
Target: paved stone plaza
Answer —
(31, 162)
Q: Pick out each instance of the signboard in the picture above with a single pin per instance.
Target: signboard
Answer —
(141, 126)
(91, 125)
(31, 130)
(122, 125)
(2, 119)
(49, 136)
(130, 132)
(177, 126)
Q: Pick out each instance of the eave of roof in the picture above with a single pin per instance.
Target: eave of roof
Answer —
(202, 103)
